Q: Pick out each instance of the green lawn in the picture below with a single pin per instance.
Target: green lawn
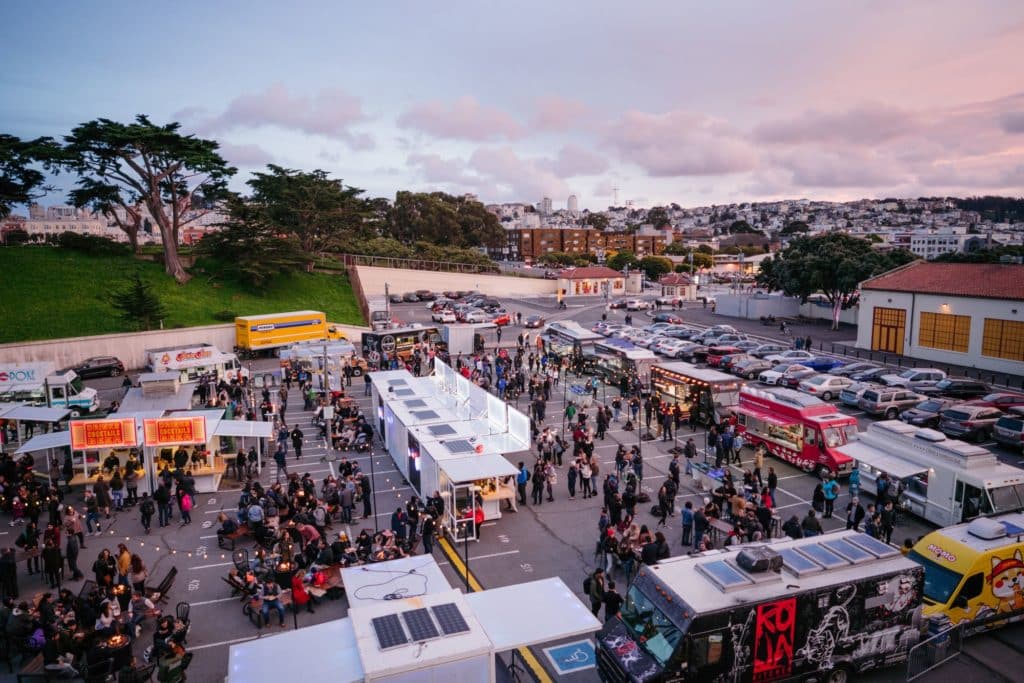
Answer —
(48, 293)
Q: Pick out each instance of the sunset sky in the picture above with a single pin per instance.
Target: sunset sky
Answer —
(692, 102)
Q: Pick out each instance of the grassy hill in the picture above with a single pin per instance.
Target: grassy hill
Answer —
(48, 293)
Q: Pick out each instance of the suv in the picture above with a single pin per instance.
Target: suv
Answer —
(1009, 429)
(850, 396)
(888, 401)
(969, 422)
(637, 305)
(915, 378)
(99, 366)
(927, 414)
(958, 388)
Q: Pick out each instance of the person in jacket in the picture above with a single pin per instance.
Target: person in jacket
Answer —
(792, 527)
(854, 514)
(831, 491)
(811, 526)
(597, 590)
(53, 563)
(71, 555)
(300, 596)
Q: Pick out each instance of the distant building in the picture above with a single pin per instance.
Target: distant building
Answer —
(591, 281)
(678, 285)
(545, 206)
(969, 314)
(572, 205)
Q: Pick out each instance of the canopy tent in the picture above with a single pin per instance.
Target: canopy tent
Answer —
(477, 467)
(274, 658)
(893, 465)
(44, 442)
(555, 613)
(24, 413)
(245, 429)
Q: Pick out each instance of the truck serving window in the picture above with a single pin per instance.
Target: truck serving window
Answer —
(649, 626)
(939, 581)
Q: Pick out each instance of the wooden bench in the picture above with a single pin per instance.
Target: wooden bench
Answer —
(227, 541)
(160, 593)
(253, 607)
(34, 669)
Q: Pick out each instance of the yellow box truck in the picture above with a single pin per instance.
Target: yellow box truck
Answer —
(261, 332)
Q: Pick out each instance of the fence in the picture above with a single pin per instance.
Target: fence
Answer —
(414, 264)
(933, 652)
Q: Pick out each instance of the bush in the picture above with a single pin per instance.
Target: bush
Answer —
(225, 316)
(90, 244)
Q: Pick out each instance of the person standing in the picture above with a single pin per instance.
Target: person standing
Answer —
(71, 555)
(146, 510)
(700, 524)
(690, 452)
(854, 514)
(612, 602)
(537, 490)
(831, 491)
(280, 461)
(597, 590)
(428, 530)
(888, 521)
(162, 497)
(773, 481)
(53, 563)
(297, 435)
(758, 464)
(522, 477)
(571, 477)
(364, 493)
(686, 518)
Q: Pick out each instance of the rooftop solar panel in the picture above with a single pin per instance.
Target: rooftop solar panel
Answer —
(459, 446)
(440, 430)
(450, 618)
(389, 631)
(405, 392)
(799, 564)
(421, 626)
(396, 382)
(425, 415)
(416, 403)
(848, 551)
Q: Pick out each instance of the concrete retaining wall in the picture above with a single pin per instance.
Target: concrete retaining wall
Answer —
(401, 281)
(130, 347)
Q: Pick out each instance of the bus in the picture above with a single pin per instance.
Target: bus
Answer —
(616, 360)
(568, 338)
(401, 341)
(713, 394)
(800, 429)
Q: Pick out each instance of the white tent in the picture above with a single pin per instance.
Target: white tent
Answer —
(331, 648)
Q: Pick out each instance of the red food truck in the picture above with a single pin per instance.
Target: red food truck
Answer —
(800, 429)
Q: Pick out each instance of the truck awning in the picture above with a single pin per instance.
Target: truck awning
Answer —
(478, 467)
(244, 428)
(45, 442)
(893, 465)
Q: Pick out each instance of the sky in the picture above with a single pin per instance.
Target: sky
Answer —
(677, 101)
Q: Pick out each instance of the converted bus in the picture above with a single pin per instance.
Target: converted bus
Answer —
(400, 341)
(711, 393)
(800, 429)
(569, 339)
(616, 360)
(825, 607)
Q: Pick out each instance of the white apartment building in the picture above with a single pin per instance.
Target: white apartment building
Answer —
(931, 244)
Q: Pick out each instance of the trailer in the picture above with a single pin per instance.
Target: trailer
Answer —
(825, 607)
(254, 333)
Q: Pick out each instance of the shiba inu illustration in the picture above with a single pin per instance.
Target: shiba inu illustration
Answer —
(1007, 581)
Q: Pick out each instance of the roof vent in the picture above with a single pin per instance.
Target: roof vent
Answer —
(930, 435)
(759, 558)
(987, 529)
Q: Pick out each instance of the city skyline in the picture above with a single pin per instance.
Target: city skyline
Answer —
(668, 102)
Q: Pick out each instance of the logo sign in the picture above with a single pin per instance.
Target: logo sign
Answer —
(93, 434)
(774, 639)
(576, 656)
(941, 553)
(171, 431)
(387, 344)
(18, 375)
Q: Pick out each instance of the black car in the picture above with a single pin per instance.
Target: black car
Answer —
(958, 388)
(873, 375)
(425, 295)
(668, 318)
(410, 297)
(533, 321)
(99, 366)
(927, 414)
(621, 303)
(396, 298)
(851, 369)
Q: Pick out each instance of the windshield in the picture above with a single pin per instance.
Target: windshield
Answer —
(908, 374)
(930, 406)
(939, 581)
(76, 386)
(1007, 498)
(838, 436)
(649, 626)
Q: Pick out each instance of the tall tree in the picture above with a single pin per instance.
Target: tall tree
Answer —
(658, 217)
(322, 212)
(443, 219)
(833, 264)
(108, 201)
(598, 221)
(621, 259)
(20, 180)
(249, 248)
(141, 164)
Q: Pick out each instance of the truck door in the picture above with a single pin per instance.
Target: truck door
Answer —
(967, 602)
(58, 395)
(706, 655)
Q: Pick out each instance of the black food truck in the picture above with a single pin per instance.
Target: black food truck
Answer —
(384, 344)
(821, 608)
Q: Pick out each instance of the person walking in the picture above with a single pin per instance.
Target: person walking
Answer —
(758, 464)
(281, 461)
(162, 498)
(888, 521)
(571, 478)
(53, 563)
(297, 435)
(186, 503)
(146, 510)
(429, 530)
(773, 481)
(537, 491)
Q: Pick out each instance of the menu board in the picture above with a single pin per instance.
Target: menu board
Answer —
(94, 434)
(172, 431)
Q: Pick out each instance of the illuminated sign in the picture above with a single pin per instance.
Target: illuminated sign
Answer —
(171, 431)
(774, 639)
(93, 434)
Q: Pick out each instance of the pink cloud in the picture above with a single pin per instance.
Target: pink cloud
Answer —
(516, 177)
(556, 113)
(573, 160)
(245, 155)
(864, 124)
(463, 119)
(436, 169)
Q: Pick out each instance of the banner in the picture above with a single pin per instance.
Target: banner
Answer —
(171, 431)
(92, 434)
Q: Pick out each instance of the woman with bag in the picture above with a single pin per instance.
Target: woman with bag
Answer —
(186, 508)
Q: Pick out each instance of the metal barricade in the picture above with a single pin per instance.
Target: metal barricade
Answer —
(943, 644)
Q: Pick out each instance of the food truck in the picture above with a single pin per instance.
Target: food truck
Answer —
(711, 393)
(618, 359)
(972, 571)
(38, 384)
(255, 333)
(800, 429)
(825, 607)
(942, 480)
(568, 339)
(194, 363)
(400, 341)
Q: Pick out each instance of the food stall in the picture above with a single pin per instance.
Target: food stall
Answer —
(386, 385)
(711, 392)
(310, 357)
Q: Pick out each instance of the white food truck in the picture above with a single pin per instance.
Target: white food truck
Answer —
(39, 384)
(196, 362)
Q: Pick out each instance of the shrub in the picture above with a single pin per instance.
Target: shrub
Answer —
(90, 244)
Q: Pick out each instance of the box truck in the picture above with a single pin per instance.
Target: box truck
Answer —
(39, 384)
(195, 363)
(261, 332)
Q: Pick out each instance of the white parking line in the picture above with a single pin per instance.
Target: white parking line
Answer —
(210, 566)
(212, 602)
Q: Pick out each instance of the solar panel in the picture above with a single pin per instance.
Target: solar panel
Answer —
(425, 414)
(459, 446)
(416, 403)
(405, 392)
(396, 382)
(389, 631)
(873, 545)
(421, 626)
(798, 564)
(450, 618)
(848, 551)
(440, 430)
(826, 558)
(725, 576)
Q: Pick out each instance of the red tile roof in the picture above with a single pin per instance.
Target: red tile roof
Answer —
(675, 279)
(589, 272)
(979, 280)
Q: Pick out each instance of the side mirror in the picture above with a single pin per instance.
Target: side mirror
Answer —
(960, 602)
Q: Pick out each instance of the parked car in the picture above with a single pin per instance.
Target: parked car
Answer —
(667, 346)
(792, 378)
(767, 350)
(927, 414)
(637, 305)
(670, 300)
(692, 353)
(410, 297)
(658, 326)
(824, 386)
(725, 339)
(959, 388)
(791, 356)
(443, 316)
(717, 353)
(774, 375)
(822, 363)
(889, 401)
(502, 319)
(534, 321)
(914, 378)
(476, 315)
(717, 331)
(727, 362)
(668, 318)
(969, 422)
(649, 340)
(678, 332)
(746, 345)
(395, 298)
(550, 275)
(1000, 399)
(1009, 429)
(99, 366)
(619, 303)
(872, 375)
(850, 396)
(850, 369)
(750, 368)
(425, 295)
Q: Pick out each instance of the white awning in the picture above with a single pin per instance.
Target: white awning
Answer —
(477, 467)
(36, 414)
(554, 613)
(325, 652)
(245, 428)
(45, 442)
(893, 465)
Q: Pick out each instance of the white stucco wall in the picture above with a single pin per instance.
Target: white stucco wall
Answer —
(400, 281)
(977, 309)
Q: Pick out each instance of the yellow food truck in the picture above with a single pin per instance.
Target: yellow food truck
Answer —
(262, 332)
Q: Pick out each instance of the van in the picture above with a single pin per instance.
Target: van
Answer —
(1009, 429)
(888, 401)
(972, 571)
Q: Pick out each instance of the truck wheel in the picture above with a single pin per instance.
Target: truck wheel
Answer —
(75, 412)
(891, 414)
(357, 372)
(751, 375)
(838, 675)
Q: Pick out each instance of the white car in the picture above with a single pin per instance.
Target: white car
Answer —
(825, 387)
(637, 305)
(792, 356)
(670, 300)
(478, 316)
(649, 341)
(444, 316)
(774, 376)
(668, 346)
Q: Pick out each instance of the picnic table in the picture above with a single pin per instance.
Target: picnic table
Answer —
(718, 526)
